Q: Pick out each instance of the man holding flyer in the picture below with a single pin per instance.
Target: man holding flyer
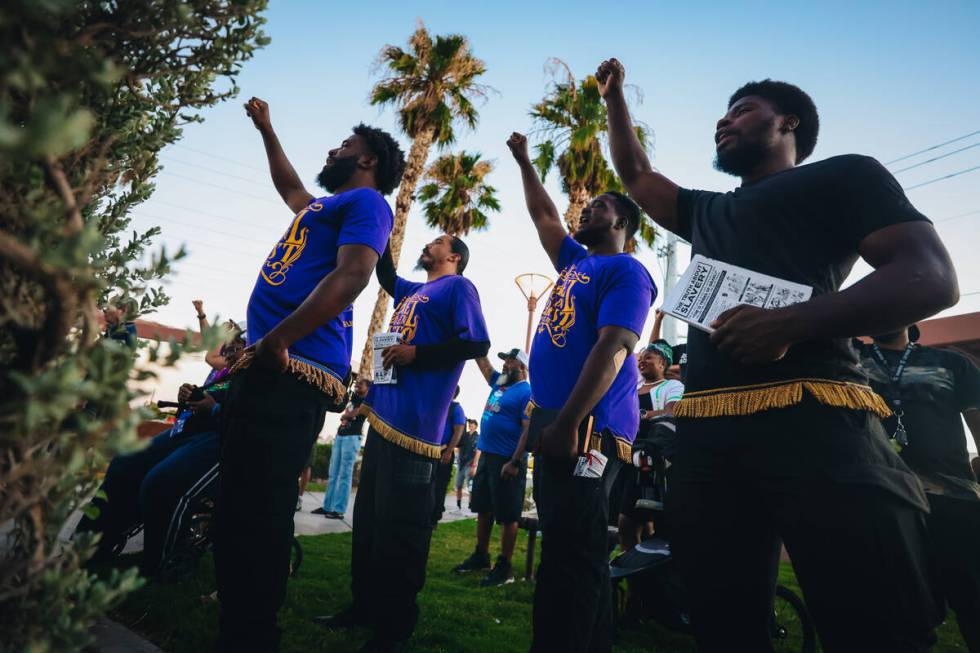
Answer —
(779, 435)
(586, 411)
(441, 326)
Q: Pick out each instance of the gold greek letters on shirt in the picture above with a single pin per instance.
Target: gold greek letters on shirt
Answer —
(558, 316)
(288, 250)
(405, 320)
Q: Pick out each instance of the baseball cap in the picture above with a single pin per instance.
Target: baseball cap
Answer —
(514, 353)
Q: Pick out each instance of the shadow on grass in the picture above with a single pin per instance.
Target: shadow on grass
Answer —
(456, 614)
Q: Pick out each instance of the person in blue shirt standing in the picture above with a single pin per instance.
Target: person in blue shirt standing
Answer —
(441, 326)
(588, 329)
(451, 436)
(296, 367)
(501, 476)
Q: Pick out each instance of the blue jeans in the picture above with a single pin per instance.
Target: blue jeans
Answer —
(342, 457)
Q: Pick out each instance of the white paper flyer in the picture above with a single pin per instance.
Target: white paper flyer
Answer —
(380, 342)
(708, 288)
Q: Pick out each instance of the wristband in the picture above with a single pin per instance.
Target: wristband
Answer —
(202, 317)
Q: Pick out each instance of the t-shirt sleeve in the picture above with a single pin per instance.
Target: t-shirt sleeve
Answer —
(870, 199)
(494, 377)
(674, 391)
(468, 322)
(967, 379)
(625, 296)
(367, 220)
(404, 288)
(687, 201)
(525, 402)
(459, 417)
(570, 252)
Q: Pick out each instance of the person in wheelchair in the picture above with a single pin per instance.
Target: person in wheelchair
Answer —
(157, 485)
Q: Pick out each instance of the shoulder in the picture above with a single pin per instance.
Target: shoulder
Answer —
(950, 358)
(570, 252)
(847, 165)
(464, 287)
(627, 267)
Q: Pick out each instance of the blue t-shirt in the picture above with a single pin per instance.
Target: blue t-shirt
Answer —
(456, 417)
(412, 412)
(307, 253)
(591, 292)
(500, 427)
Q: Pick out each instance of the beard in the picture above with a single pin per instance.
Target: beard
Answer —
(422, 264)
(747, 154)
(335, 175)
(587, 237)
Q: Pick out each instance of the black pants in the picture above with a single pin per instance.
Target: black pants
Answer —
(572, 598)
(392, 532)
(954, 529)
(826, 482)
(270, 421)
(443, 474)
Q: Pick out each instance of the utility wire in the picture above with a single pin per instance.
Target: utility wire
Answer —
(215, 171)
(226, 188)
(219, 157)
(949, 176)
(241, 223)
(931, 148)
(151, 216)
(958, 215)
(935, 158)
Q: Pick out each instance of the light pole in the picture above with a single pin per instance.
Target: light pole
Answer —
(533, 286)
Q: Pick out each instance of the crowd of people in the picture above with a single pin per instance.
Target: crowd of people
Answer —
(780, 437)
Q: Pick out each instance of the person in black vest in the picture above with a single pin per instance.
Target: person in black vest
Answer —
(343, 455)
(929, 390)
(779, 435)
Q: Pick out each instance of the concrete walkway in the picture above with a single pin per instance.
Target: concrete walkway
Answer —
(309, 524)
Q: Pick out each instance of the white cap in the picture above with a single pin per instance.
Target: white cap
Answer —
(519, 354)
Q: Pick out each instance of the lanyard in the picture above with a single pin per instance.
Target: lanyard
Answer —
(900, 436)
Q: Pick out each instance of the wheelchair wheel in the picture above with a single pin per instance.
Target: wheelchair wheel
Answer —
(791, 628)
(295, 557)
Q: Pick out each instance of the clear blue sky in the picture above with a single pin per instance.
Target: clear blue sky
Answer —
(888, 79)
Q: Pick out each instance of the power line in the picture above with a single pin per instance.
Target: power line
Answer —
(188, 224)
(931, 148)
(958, 215)
(244, 223)
(215, 171)
(219, 157)
(226, 188)
(935, 158)
(184, 241)
(949, 176)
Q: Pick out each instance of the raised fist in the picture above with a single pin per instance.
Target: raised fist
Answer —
(198, 305)
(258, 111)
(518, 146)
(610, 75)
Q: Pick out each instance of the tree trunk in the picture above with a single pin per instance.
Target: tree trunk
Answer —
(578, 197)
(403, 203)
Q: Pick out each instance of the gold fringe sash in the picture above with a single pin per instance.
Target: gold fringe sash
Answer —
(318, 378)
(751, 399)
(623, 448)
(403, 440)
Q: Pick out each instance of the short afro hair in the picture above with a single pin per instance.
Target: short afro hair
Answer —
(457, 246)
(788, 100)
(391, 159)
(626, 209)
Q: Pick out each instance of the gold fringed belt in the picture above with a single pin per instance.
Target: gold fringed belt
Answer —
(318, 378)
(751, 399)
(403, 440)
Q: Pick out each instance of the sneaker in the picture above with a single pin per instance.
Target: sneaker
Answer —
(476, 562)
(319, 511)
(333, 515)
(299, 503)
(501, 574)
(345, 619)
(459, 504)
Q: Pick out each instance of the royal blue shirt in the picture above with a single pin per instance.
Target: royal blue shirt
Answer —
(592, 292)
(500, 427)
(456, 417)
(307, 253)
(412, 412)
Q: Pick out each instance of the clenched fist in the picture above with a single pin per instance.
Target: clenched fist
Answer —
(258, 111)
(518, 146)
(610, 76)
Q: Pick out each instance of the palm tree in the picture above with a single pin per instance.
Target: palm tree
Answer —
(573, 118)
(457, 196)
(432, 84)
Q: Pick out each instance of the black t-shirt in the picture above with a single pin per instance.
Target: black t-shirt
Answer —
(356, 426)
(467, 446)
(936, 386)
(804, 225)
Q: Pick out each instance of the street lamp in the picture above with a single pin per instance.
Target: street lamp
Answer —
(533, 286)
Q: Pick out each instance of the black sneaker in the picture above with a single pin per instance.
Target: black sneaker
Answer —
(333, 515)
(476, 562)
(345, 619)
(319, 511)
(501, 574)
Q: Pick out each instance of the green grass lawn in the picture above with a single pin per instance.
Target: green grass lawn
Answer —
(456, 614)
(313, 486)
